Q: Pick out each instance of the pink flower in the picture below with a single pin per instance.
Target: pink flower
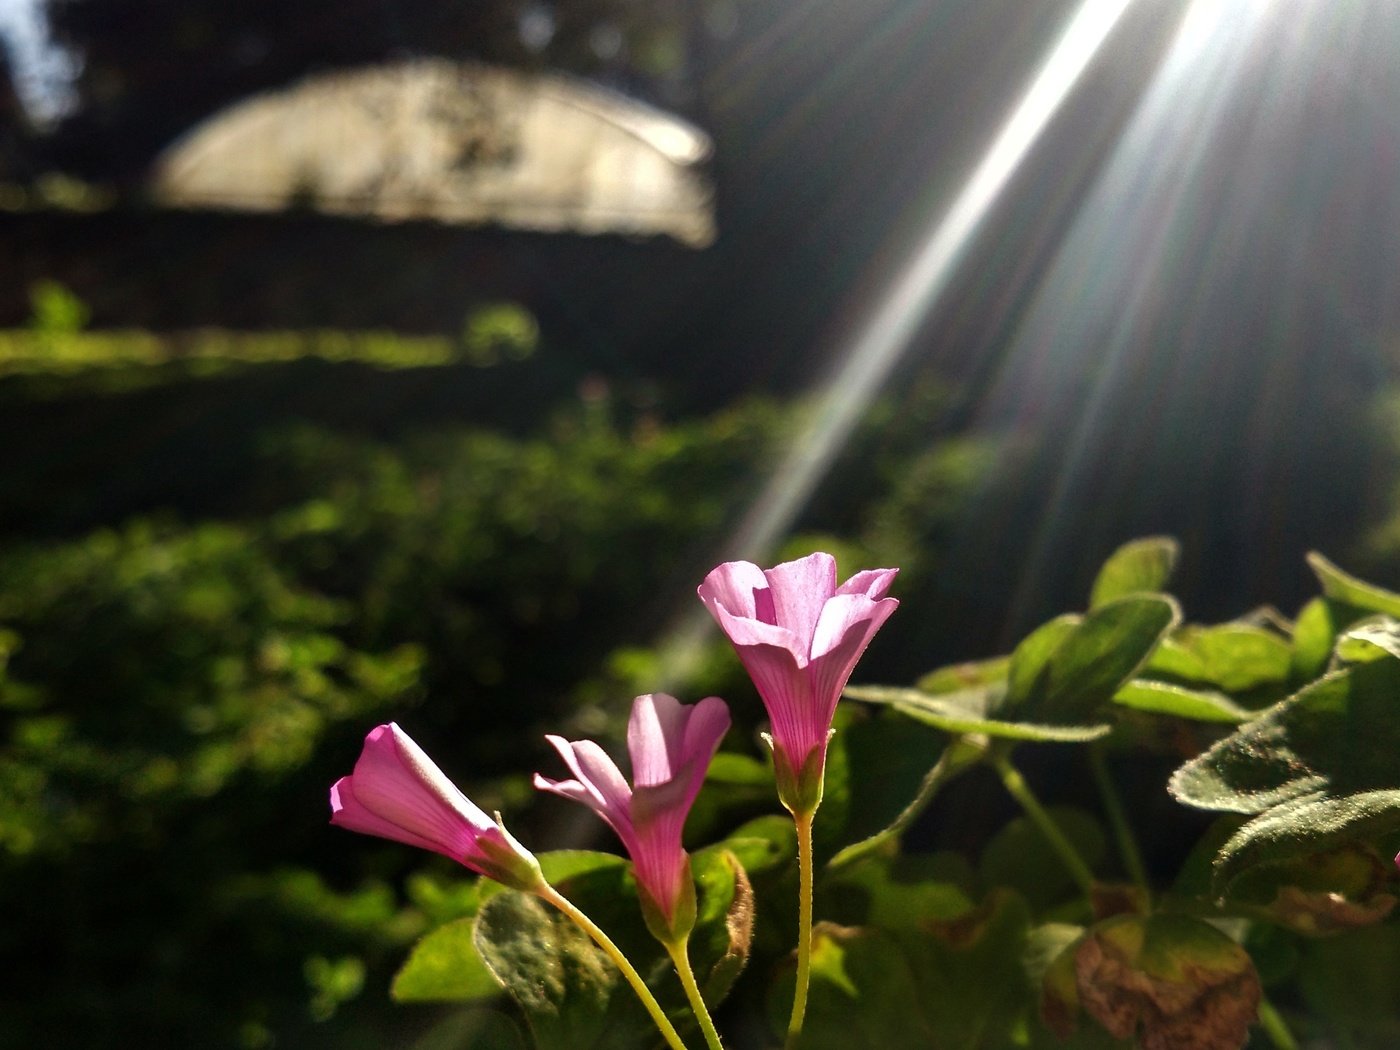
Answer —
(671, 745)
(397, 792)
(799, 636)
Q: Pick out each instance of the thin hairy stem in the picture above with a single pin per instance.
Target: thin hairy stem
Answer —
(804, 927)
(943, 771)
(1275, 1027)
(1021, 792)
(1118, 819)
(681, 958)
(603, 941)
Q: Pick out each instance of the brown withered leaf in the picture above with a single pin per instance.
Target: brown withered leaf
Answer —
(1324, 893)
(1117, 898)
(1316, 913)
(1174, 982)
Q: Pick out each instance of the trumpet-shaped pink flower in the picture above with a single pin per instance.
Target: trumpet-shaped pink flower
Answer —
(799, 636)
(671, 745)
(397, 792)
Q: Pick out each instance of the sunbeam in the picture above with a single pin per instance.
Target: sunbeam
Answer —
(893, 319)
(1189, 295)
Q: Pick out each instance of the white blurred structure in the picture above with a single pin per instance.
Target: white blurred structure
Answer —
(458, 143)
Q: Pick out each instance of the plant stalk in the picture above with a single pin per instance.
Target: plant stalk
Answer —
(1118, 819)
(602, 940)
(804, 927)
(681, 958)
(1021, 792)
(943, 771)
(1275, 1027)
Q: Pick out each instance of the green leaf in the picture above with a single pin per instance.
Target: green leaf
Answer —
(899, 893)
(1371, 639)
(763, 843)
(1337, 736)
(472, 1029)
(1318, 768)
(560, 866)
(1163, 698)
(1138, 566)
(1307, 825)
(723, 934)
(1067, 669)
(872, 988)
(1170, 980)
(879, 763)
(445, 967)
(562, 983)
(958, 677)
(863, 992)
(1020, 856)
(732, 768)
(1030, 661)
(1234, 657)
(1314, 633)
(1348, 984)
(962, 713)
(1346, 589)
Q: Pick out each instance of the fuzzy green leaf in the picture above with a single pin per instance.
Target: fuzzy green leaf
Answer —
(1138, 566)
(1371, 639)
(965, 712)
(1346, 589)
(445, 967)
(1069, 668)
(972, 674)
(562, 983)
(1306, 825)
(1163, 698)
(1337, 736)
(1318, 768)
(1233, 657)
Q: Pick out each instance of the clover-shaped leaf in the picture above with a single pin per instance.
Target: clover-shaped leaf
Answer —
(1068, 669)
(1136, 567)
(967, 712)
(1166, 981)
(1317, 770)
(1233, 657)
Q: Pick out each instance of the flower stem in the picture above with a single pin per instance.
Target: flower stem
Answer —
(1021, 792)
(681, 958)
(956, 757)
(1118, 819)
(1274, 1026)
(804, 927)
(668, 1030)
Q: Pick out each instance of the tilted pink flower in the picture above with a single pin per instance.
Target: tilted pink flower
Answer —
(397, 792)
(671, 745)
(799, 636)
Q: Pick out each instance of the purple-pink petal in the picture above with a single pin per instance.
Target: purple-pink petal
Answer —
(801, 640)
(733, 585)
(800, 588)
(873, 583)
(671, 746)
(350, 813)
(604, 788)
(397, 792)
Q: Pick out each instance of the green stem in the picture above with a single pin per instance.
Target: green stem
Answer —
(942, 772)
(1275, 1027)
(1118, 819)
(1022, 793)
(804, 927)
(681, 958)
(668, 1030)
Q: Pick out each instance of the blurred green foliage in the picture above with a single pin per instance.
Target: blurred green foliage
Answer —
(177, 694)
